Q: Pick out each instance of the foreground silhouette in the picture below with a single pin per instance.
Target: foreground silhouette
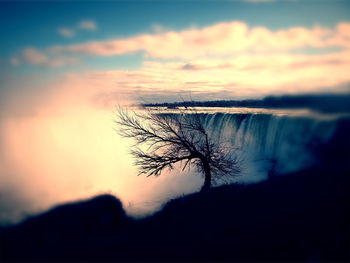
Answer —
(298, 217)
(179, 137)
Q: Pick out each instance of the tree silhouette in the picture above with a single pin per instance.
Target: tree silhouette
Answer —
(163, 139)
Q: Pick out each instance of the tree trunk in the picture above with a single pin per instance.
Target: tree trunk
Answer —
(207, 177)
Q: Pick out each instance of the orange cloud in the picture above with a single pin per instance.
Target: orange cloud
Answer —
(228, 58)
(247, 75)
(217, 40)
(220, 79)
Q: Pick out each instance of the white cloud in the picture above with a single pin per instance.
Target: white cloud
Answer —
(66, 32)
(207, 56)
(87, 25)
(222, 39)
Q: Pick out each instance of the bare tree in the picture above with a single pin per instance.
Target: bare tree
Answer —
(163, 139)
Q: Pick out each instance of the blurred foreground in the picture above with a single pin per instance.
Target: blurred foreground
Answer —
(301, 217)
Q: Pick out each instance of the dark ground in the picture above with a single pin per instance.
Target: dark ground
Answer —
(299, 217)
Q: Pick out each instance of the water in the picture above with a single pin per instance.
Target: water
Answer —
(287, 141)
(56, 157)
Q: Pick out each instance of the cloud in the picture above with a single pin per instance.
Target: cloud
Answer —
(189, 66)
(279, 73)
(36, 57)
(218, 79)
(220, 55)
(66, 32)
(87, 25)
(205, 65)
(223, 39)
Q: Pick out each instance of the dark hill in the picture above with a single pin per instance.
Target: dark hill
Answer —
(297, 217)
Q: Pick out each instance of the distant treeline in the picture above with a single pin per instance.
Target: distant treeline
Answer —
(327, 103)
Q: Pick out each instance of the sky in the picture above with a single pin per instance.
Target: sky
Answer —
(160, 50)
(65, 65)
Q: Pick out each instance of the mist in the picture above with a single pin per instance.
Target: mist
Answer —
(58, 145)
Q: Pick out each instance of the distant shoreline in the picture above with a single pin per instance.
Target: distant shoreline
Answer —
(324, 103)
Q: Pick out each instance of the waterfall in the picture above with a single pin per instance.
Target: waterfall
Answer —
(270, 143)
